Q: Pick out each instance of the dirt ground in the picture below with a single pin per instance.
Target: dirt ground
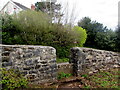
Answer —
(83, 82)
(71, 82)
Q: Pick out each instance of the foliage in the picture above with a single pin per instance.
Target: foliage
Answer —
(12, 79)
(98, 36)
(47, 6)
(84, 75)
(34, 25)
(35, 28)
(64, 75)
(106, 40)
(60, 60)
(50, 8)
(8, 30)
(82, 35)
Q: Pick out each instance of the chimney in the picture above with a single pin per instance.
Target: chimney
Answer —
(32, 7)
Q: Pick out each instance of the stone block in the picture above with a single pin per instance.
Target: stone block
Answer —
(37, 66)
(5, 64)
(33, 72)
(5, 58)
(29, 62)
(27, 68)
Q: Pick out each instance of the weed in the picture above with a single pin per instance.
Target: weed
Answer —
(87, 86)
(64, 75)
(105, 79)
(60, 60)
(84, 75)
(11, 79)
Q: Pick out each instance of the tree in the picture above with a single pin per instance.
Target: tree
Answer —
(35, 28)
(106, 40)
(92, 28)
(50, 8)
(90, 25)
(98, 36)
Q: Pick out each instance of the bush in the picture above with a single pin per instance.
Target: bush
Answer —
(63, 40)
(82, 35)
(8, 30)
(12, 79)
(36, 28)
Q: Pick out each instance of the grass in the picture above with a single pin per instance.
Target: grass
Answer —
(61, 60)
(104, 79)
(63, 75)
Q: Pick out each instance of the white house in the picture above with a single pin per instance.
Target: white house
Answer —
(12, 7)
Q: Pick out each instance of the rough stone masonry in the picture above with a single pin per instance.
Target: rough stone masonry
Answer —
(88, 60)
(38, 63)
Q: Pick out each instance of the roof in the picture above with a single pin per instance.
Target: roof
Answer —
(20, 5)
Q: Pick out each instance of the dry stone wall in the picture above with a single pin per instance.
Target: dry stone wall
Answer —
(88, 60)
(38, 63)
(65, 67)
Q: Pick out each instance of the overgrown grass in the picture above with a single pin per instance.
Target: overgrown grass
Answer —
(104, 79)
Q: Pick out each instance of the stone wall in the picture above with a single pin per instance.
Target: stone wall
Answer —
(38, 63)
(65, 67)
(88, 60)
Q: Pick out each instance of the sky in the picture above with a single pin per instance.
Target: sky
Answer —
(103, 11)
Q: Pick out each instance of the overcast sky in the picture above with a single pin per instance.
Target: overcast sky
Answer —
(103, 11)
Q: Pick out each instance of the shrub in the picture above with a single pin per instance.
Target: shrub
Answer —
(12, 79)
(63, 40)
(32, 26)
(8, 30)
(82, 35)
(36, 28)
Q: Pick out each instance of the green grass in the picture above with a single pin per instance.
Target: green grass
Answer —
(63, 75)
(104, 79)
(61, 60)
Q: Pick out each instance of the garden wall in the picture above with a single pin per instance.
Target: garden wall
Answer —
(65, 67)
(38, 63)
(88, 60)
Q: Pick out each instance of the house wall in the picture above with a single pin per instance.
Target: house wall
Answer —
(10, 8)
